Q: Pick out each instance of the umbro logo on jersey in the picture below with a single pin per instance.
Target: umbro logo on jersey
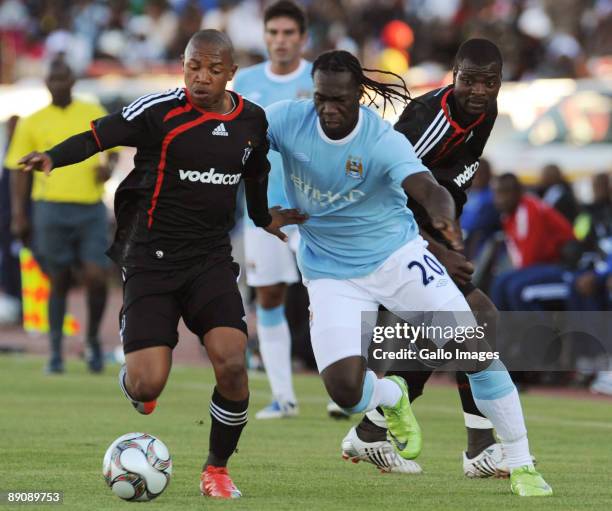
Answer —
(220, 131)
(209, 177)
(467, 174)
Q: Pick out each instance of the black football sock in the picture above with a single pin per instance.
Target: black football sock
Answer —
(228, 419)
(370, 432)
(478, 441)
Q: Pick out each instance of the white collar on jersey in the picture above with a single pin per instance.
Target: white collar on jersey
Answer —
(284, 78)
(341, 141)
(233, 104)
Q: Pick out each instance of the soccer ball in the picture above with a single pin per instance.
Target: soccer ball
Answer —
(137, 466)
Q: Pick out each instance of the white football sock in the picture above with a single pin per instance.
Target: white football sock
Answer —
(497, 398)
(275, 349)
(386, 393)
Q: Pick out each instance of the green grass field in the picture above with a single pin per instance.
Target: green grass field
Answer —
(54, 432)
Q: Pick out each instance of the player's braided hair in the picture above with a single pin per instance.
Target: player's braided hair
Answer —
(341, 60)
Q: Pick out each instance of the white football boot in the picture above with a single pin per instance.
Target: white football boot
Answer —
(278, 410)
(381, 454)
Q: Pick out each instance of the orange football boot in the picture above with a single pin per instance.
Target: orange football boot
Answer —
(216, 482)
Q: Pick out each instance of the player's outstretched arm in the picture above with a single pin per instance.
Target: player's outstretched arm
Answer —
(439, 204)
(72, 150)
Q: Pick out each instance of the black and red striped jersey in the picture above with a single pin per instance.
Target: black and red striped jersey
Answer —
(449, 150)
(177, 205)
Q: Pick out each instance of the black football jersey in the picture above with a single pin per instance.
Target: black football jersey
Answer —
(177, 205)
(449, 150)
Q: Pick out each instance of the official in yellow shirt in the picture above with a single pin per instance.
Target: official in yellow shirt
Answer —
(69, 223)
(78, 184)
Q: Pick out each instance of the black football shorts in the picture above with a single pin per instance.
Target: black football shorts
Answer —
(206, 296)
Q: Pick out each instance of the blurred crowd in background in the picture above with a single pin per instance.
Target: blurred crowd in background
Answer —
(538, 38)
(535, 249)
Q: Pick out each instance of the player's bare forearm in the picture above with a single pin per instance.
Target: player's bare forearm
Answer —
(434, 198)
(438, 202)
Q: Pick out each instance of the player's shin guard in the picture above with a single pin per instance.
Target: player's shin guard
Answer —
(376, 392)
(275, 349)
(228, 420)
(497, 398)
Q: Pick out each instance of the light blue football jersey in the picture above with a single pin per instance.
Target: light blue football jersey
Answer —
(350, 188)
(258, 84)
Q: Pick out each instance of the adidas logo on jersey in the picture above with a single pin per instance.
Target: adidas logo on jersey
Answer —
(209, 177)
(220, 131)
(467, 174)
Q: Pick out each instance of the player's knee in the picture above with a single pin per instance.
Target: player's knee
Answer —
(231, 373)
(270, 297)
(145, 388)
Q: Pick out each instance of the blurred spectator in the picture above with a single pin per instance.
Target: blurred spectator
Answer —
(189, 22)
(241, 21)
(480, 219)
(592, 285)
(593, 228)
(535, 237)
(162, 24)
(112, 39)
(538, 38)
(149, 36)
(14, 22)
(89, 17)
(10, 285)
(557, 192)
(68, 217)
(75, 49)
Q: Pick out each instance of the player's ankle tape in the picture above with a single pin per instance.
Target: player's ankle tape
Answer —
(270, 317)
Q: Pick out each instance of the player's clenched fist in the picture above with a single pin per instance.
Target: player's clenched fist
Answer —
(37, 161)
